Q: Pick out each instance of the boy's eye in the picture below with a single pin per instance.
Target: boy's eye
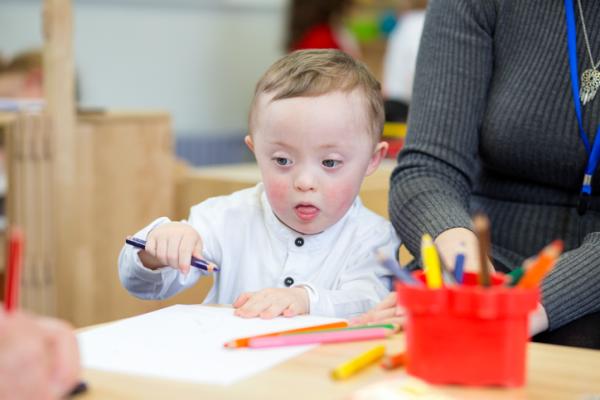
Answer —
(330, 163)
(282, 161)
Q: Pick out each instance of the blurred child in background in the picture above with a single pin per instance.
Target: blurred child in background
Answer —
(318, 24)
(22, 76)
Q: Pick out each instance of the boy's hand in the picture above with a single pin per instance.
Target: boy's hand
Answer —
(172, 244)
(387, 311)
(271, 303)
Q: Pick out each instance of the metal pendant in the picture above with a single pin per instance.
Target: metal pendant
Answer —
(590, 82)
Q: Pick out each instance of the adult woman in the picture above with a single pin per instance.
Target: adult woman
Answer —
(493, 127)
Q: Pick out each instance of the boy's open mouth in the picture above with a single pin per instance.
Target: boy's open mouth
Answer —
(306, 212)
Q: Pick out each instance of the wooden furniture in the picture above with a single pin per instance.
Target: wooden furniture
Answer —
(29, 160)
(554, 372)
(125, 165)
(201, 183)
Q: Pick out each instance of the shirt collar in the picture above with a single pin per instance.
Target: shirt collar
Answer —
(311, 242)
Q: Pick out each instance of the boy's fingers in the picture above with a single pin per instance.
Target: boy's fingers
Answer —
(161, 250)
(173, 243)
(384, 316)
(389, 302)
(291, 310)
(275, 309)
(198, 247)
(254, 307)
(151, 246)
(186, 247)
(242, 299)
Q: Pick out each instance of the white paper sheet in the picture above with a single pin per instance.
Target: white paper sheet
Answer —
(185, 342)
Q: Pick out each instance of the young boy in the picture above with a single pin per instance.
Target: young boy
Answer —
(301, 241)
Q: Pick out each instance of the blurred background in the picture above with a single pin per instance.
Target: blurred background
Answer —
(197, 59)
(116, 112)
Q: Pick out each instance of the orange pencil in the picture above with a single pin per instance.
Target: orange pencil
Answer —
(394, 361)
(13, 269)
(243, 342)
(542, 265)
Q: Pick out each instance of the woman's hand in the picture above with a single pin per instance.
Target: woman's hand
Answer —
(455, 240)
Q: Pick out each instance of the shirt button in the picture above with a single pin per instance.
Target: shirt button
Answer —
(299, 242)
(289, 281)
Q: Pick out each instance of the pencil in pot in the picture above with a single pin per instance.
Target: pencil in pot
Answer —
(481, 226)
(541, 266)
(431, 263)
(401, 274)
(459, 267)
(196, 262)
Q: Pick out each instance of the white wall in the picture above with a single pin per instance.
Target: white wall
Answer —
(198, 59)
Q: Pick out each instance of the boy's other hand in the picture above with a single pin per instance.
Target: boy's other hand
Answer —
(385, 312)
(272, 302)
(172, 244)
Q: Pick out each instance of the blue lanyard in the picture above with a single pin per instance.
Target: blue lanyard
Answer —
(593, 152)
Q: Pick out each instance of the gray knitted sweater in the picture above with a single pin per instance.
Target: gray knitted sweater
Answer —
(492, 127)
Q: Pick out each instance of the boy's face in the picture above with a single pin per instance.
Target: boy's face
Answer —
(313, 153)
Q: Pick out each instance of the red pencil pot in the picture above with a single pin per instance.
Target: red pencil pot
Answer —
(467, 334)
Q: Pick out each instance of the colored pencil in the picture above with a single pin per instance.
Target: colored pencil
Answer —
(392, 327)
(542, 265)
(358, 363)
(320, 337)
(459, 267)
(13, 269)
(481, 226)
(243, 342)
(401, 274)
(431, 263)
(195, 262)
(447, 275)
(516, 274)
(394, 361)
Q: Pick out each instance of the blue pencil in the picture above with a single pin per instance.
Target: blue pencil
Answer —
(201, 264)
(402, 274)
(459, 265)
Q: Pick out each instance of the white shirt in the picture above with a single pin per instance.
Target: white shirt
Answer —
(254, 251)
(401, 56)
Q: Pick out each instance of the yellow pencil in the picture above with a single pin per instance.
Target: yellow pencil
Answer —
(431, 263)
(354, 365)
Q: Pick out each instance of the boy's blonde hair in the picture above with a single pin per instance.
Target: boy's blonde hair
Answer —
(306, 73)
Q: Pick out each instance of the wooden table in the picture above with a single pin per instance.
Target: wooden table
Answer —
(554, 372)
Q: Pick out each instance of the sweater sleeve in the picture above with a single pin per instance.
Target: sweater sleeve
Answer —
(432, 183)
(571, 290)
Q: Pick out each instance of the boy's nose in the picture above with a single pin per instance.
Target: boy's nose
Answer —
(304, 182)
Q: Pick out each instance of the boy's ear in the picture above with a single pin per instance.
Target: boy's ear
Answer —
(249, 142)
(379, 153)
